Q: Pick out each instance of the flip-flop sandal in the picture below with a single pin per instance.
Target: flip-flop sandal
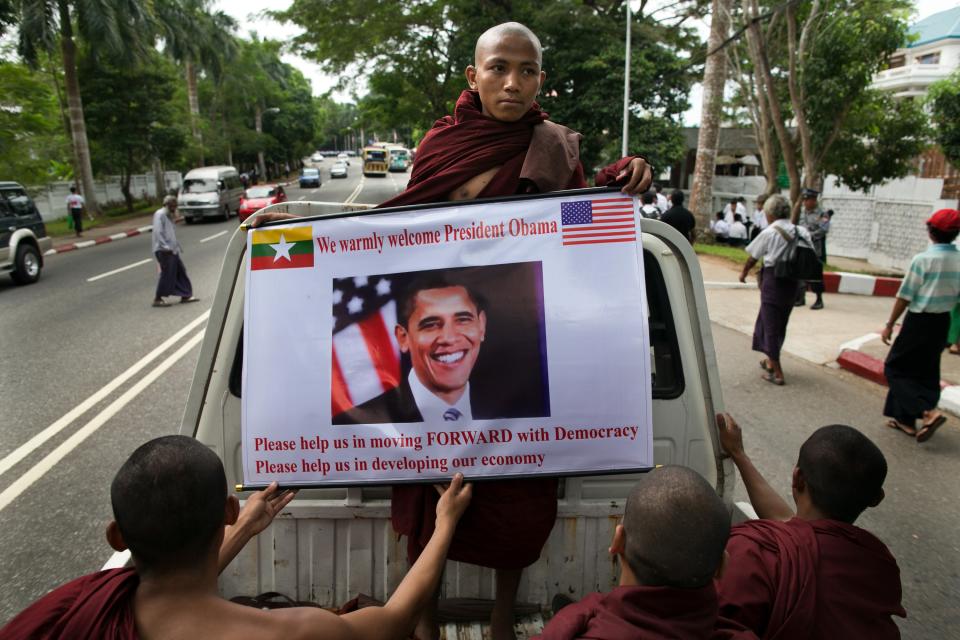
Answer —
(910, 431)
(769, 377)
(190, 299)
(927, 431)
(954, 349)
(161, 303)
(765, 366)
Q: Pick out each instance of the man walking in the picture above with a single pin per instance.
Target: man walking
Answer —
(817, 223)
(173, 274)
(75, 204)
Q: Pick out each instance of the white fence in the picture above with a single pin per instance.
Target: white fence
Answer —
(51, 198)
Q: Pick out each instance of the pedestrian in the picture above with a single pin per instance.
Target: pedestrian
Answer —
(720, 228)
(173, 274)
(737, 236)
(679, 217)
(648, 205)
(75, 205)
(735, 206)
(776, 294)
(928, 293)
(759, 217)
(818, 224)
(661, 203)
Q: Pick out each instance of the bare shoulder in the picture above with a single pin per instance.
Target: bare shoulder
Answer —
(232, 621)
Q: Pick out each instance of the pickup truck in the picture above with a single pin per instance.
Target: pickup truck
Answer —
(332, 544)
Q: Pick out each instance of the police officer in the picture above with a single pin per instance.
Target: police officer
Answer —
(818, 224)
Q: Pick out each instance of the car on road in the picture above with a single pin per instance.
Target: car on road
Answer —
(23, 236)
(350, 528)
(256, 198)
(210, 192)
(309, 177)
(316, 157)
(343, 157)
(338, 170)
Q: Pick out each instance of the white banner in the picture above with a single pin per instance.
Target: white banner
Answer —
(493, 339)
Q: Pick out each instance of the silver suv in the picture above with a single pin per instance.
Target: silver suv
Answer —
(23, 236)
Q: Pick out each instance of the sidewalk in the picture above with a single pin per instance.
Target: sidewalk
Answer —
(105, 233)
(845, 333)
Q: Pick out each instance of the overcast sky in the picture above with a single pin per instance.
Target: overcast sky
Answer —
(247, 13)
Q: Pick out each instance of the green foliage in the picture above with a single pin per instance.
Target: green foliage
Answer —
(944, 100)
(31, 127)
(414, 53)
(880, 141)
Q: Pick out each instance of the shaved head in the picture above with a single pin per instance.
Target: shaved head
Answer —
(492, 36)
(676, 529)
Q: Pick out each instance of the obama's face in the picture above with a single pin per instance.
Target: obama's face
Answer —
(443, 336)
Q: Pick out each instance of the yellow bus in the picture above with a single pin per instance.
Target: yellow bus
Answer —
(376, 161)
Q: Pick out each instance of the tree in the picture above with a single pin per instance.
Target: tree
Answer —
(944, 100)
(133, 118)
(714, 79)
(115, 27)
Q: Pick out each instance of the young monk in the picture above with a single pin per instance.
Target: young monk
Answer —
(670, 548)
(498, 142)
(172, 511)
(812, 574)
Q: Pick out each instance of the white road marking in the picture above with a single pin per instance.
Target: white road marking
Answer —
(117, 561)
(214, 236)
(356, 192)
(302, 198)
(51, 460)
(60, 424)
(315, 190)
(121, 269)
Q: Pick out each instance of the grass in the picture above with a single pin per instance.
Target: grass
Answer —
(111, 214)
(739, 256)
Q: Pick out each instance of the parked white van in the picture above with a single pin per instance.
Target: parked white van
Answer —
(210, 192)
(332, 544)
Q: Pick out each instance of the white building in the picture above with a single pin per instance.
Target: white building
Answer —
(933, 55)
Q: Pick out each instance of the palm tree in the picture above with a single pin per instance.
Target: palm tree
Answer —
(106, 27)
(200, 40)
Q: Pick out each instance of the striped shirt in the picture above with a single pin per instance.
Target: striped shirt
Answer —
(932, 284)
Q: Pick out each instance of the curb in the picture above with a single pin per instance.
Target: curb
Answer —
(871, 368)
(860, 284)
(73, 246)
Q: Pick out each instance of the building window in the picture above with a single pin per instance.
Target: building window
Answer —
(929, 58)
(896, 61)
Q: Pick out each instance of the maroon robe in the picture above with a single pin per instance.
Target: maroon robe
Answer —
(99, 605)
(508, 522)
(810, 579)
(651, 613)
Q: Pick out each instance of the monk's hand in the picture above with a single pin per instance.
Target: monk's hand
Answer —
(259, 219)
(263, 506)
(639, 177)
(454, 499)
(731, 438)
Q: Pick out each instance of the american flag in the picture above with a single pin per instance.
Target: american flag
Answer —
(598, 221)
(366, 356)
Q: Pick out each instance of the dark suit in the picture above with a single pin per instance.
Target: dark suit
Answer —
(398, 405)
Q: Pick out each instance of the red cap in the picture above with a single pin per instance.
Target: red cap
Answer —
(945, 220)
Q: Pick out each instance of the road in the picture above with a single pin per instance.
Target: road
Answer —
(67, 339)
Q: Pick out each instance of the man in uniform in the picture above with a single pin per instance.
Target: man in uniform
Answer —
(818, 224)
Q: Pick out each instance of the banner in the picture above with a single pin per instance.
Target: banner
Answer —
(492, 338)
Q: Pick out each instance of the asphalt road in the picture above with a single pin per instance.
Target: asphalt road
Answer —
(68, 337)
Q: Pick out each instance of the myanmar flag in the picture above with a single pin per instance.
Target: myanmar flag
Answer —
(282, 248)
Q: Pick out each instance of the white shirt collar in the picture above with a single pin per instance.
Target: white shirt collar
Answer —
(432, 407)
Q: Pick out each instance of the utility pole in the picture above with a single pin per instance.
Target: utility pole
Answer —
(626, 89)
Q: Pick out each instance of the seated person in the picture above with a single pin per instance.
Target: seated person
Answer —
(737, 236)
(172, 511)
(720, 228)
(812, 574)
(648, 205)
(669, 547)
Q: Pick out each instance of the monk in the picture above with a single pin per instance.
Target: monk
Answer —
(498, 142)
(670, 549)
(172, 511)
(812, 573)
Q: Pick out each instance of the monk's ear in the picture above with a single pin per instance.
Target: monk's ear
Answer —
(798, 483)
(471, 73)
(618, 545)
(232, 511)
(880, 496)
(722, 566)
(114, 537)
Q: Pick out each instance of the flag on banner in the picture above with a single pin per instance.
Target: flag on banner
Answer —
(289, 248)
(598, 221)
(366, 356)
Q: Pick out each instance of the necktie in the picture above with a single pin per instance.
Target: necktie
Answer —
(451, 415)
